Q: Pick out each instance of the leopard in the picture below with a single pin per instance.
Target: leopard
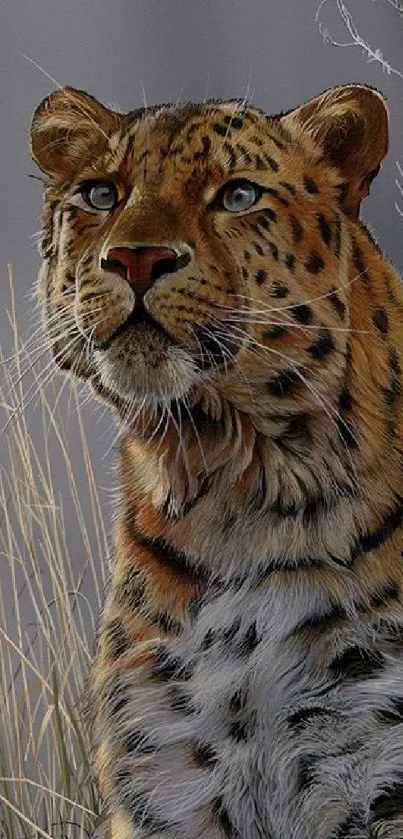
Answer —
(206, 272)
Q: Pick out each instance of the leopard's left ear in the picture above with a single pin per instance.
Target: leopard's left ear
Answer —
(350, 123)
(68, 127)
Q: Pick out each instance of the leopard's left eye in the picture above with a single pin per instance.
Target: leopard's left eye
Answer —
(239, 195)
(97, 195)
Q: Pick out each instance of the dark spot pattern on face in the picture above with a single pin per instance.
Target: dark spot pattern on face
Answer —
(314, 263)
(284, 384)
(392, 298)
(264, 222)
(356, 663)
(258, 248)
(297, 229)
(270, 190)
(392, 392)
(302, 313)
(244, 152)
(233, 121)
(325, 228)
(323, 346)
(359, 264)
(274, 332)
(260, 165)
(337, 237)
(272, 163)
(289, 187)
(221, 130)
(260, 276)
(290, 261)
(270, 213)
(394, 362)
(279, 290)
(381, 320)
(205, 150)
(345, 400)
(310, 185)
(342, 190)
(212, 348)
(276, 140)
(273, 250)
(336, 303)
(232, 158)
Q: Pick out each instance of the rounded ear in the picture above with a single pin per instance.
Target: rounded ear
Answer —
(350, 123)
(65, 126)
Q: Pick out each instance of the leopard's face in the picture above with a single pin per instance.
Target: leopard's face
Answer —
(192, 248)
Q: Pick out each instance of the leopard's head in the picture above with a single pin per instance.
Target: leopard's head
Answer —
(203, 249)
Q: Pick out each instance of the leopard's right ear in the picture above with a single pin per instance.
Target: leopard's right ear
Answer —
(66, 128)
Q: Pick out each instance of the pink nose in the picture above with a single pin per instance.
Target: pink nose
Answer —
(143, 265)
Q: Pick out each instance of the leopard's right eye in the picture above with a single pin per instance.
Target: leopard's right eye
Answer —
(238, 196)
(96, 195)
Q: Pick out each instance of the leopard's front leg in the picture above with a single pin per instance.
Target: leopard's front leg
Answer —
(159, 777)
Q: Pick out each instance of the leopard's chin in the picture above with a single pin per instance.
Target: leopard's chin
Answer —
(142, 366)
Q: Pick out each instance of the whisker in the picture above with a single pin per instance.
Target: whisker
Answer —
(311, 299)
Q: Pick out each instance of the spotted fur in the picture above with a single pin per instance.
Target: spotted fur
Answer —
(249, 676)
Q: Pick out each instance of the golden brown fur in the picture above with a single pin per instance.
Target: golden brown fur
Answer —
(258, 538)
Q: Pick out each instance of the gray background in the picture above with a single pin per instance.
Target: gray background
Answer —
(168, 50)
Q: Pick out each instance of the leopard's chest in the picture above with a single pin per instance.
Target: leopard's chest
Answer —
(204, 720)
(239, 725)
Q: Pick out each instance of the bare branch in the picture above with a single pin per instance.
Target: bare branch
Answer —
(373, 54)
(396, 5)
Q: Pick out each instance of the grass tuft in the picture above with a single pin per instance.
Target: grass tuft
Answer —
(50, 597)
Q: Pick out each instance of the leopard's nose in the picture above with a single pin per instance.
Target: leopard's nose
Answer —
(143, 265)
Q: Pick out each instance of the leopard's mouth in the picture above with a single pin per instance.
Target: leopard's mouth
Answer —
(139, 317)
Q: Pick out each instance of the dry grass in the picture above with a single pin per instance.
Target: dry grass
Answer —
(48, 608)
